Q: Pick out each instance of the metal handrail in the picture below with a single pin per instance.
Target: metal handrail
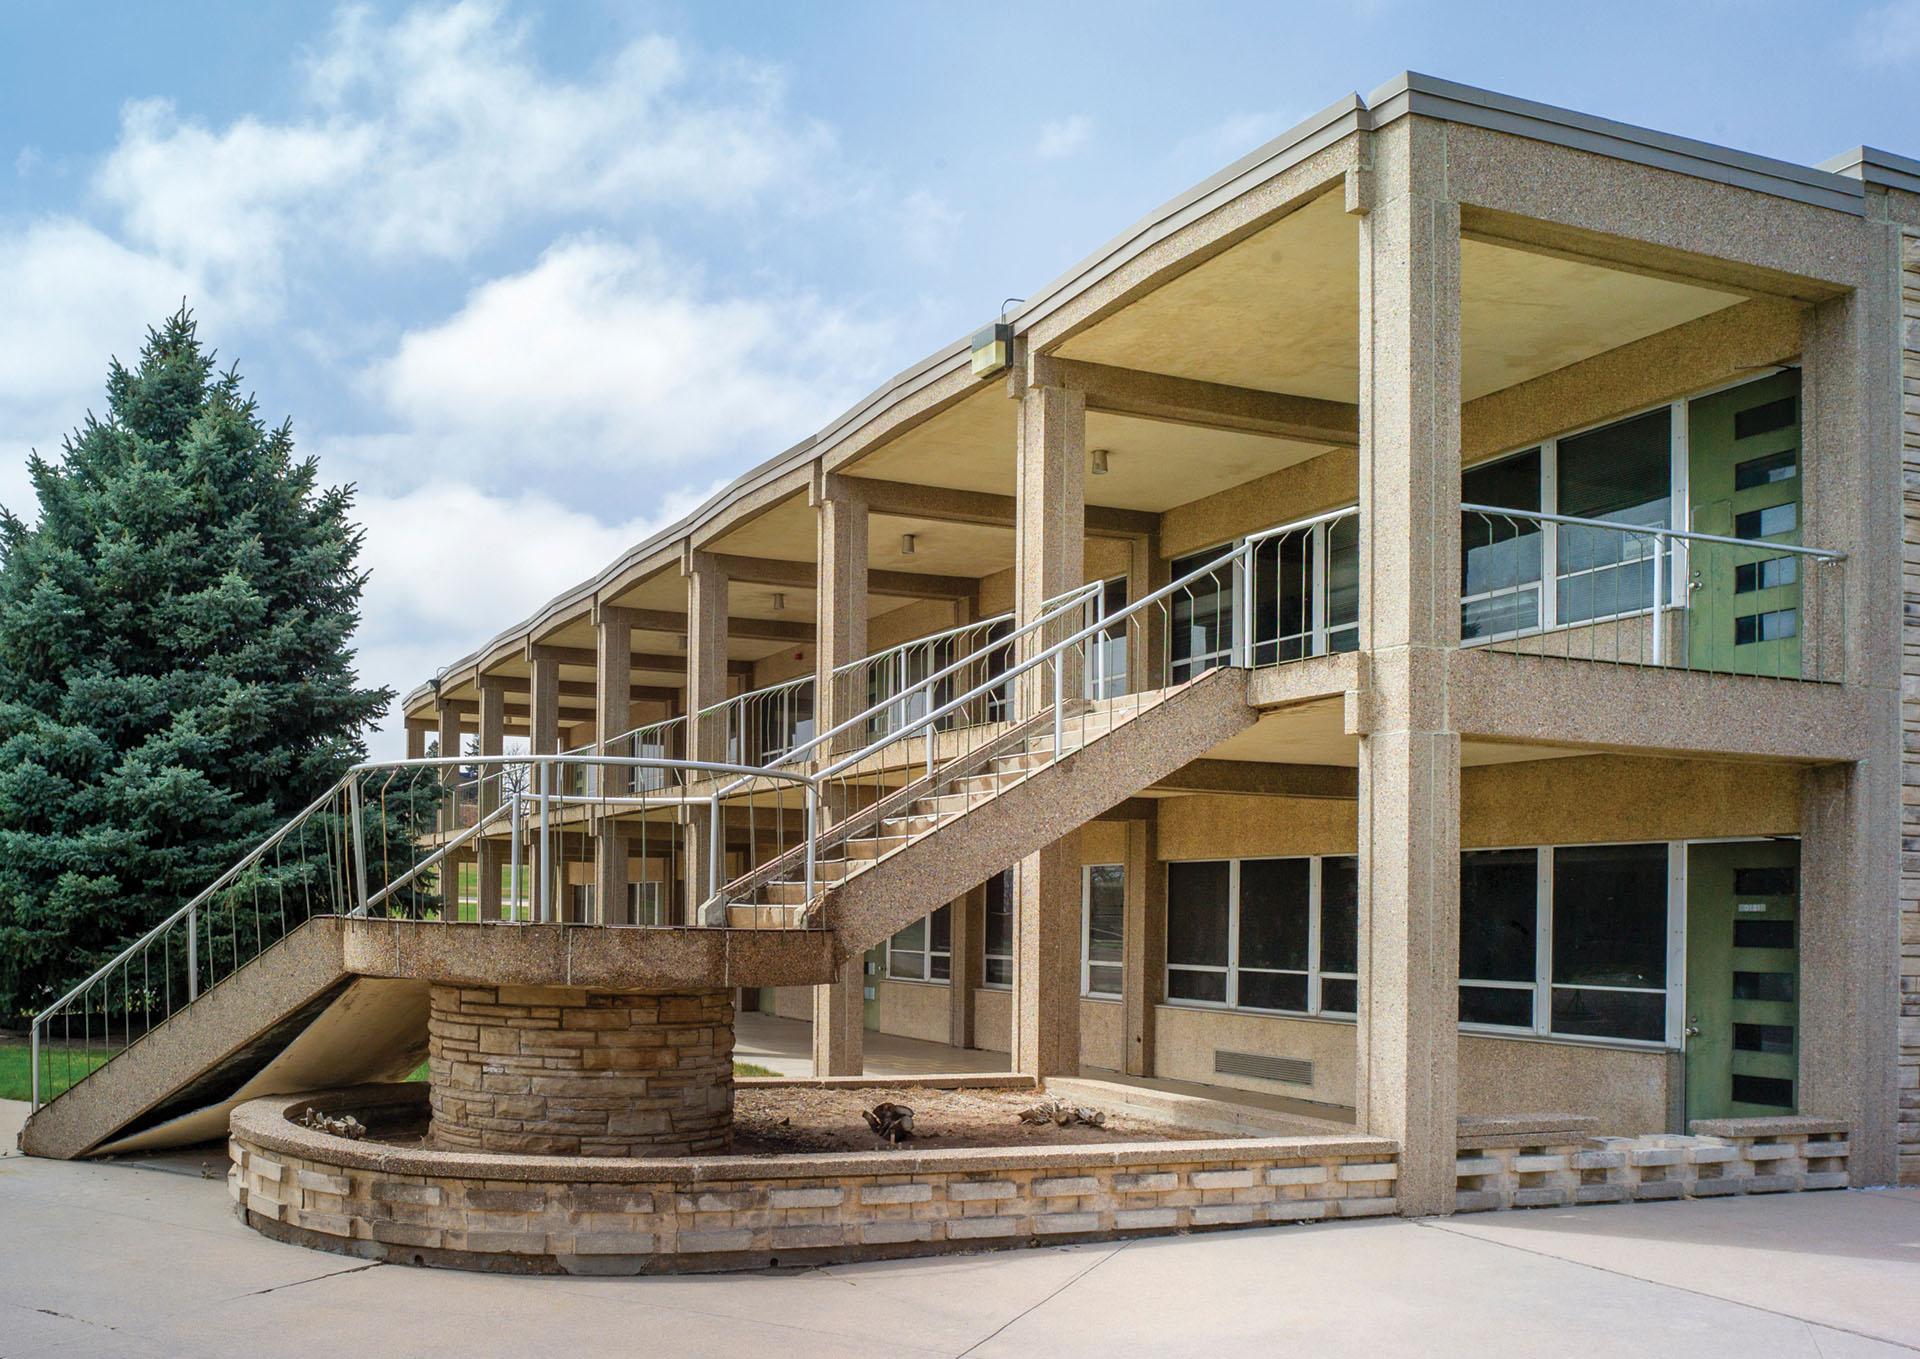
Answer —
(1685, 535)
(1242, 640)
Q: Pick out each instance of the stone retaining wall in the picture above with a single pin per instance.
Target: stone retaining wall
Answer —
(1555, 1168)
(562, 1071)
(626, 1216)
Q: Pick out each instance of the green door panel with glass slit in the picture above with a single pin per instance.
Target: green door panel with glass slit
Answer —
(1743, 472)
(1743, 978)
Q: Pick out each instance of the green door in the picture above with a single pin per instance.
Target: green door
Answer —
(1743, 472)
(1743, 978)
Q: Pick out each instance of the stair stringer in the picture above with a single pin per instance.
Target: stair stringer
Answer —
(1028, 816)
(228, 1040)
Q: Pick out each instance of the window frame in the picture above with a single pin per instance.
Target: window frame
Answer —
(1316, 898)
(1086, 934)
(926, 951)
(1542, 986)
(988, 957)
(1548, 585)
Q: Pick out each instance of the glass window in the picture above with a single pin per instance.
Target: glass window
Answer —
(1283, 591)
(1499, 919)
(1500, 556)
(1767, 523)
(1200, 631)
(999, 932)
(1274, 929)
(1610, 940)
(1104, 920)
(907, 953)
(1198, 909)
(923, 951)
(1343, 584)
(1622, 473)
(1339, 934)
(1106, 674)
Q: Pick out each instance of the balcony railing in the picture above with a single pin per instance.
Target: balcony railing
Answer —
(1634, 594)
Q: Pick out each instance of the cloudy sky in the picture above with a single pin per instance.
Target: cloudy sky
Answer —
(537, 278)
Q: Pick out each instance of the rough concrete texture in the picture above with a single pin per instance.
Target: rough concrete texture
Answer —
(90, 1265)
(560, 1071)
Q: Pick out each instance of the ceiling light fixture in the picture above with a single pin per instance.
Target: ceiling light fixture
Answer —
(906, 544)
(779, 602)
(1099, 462)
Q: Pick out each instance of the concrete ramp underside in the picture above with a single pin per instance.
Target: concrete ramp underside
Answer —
(1025, 818)
(293, 1019)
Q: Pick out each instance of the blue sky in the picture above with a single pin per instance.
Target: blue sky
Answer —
(539, 277)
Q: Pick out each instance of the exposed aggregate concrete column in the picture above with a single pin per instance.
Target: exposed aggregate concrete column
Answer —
(563, 1071)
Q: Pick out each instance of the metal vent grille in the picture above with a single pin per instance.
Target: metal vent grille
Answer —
(1261, 1066)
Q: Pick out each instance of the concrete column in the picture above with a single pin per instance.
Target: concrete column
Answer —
(449, 739)
(706, 686)
(1409, 783)
(613, 716)
(839, 1013)
(841, 603)
(1144, 944)
(840, 614)
(1851, 848)
(1147, 633)
(543, 724)
(968, 916)
(491, 853)
(1848, 977)
(416, 740)
(1050, 559)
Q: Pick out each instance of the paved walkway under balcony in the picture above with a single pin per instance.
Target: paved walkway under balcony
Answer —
(784, 1046)
(147, 1260)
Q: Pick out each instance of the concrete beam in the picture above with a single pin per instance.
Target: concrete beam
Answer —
(1186, 401)
(802, 576)
(946, 505)
(642, 660)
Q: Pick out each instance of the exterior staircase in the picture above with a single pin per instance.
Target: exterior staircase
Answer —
(886, 864)
(291, 1019)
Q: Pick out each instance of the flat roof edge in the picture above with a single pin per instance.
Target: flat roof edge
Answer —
(1431, 97)
(1871, 165)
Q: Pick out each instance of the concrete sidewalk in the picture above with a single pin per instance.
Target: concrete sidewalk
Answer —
(114, 1259)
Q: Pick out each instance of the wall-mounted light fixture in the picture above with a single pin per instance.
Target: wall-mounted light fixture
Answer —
(906, 544)
(779, 602)
(992, 348)
(1099, 462)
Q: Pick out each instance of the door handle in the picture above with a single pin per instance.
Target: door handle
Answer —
(1693, 1026)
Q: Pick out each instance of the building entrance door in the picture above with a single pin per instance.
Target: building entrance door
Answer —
(1743, 472)
(1743, 979)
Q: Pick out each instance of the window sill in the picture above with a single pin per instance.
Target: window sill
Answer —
(1103, 998)
(913, 981)
(1567, 1039)
(1290, 1016)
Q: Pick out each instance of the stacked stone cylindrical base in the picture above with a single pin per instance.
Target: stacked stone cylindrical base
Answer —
(563, 1071)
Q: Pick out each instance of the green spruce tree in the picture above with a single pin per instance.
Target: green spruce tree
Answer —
(176, 678)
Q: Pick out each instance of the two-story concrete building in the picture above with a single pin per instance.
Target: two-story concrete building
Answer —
(1413, 625)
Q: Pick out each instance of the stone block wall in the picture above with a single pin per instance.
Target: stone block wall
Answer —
(562, 1215)
(553, 1071)
(1908, 1113)
(1726, 1156)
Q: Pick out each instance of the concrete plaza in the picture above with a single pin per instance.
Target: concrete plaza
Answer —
(106, 1259)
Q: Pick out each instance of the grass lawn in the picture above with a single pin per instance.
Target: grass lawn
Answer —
(16, 1070)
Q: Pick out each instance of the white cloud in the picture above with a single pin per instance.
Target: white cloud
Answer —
(1889, 34)
(432, 597)
(429, 135)
(74, 297)
(1064, 136)
(606, 355)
